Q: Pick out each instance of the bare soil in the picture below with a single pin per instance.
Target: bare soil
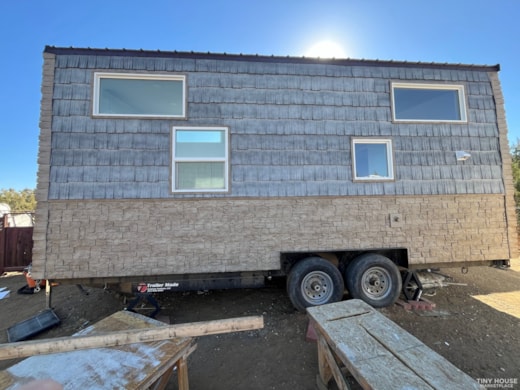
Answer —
(477, 338)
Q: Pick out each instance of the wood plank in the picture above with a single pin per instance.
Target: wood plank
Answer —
(158, 377)
(182, 372)
(353, 340)
(436, 370)
(382, 373)
(324, 367)
(338, 310)
(388, 333)
(379, 353)
(63, 344)
(332, 368)
(369, 362)
(131, 366)
(426, 363)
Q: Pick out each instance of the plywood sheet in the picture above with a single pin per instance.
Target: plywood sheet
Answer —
(132, 366)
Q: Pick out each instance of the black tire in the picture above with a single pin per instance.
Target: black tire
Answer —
(314, 281)
(374, 279)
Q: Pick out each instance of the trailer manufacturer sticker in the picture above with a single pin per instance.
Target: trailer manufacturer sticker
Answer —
(156, 287)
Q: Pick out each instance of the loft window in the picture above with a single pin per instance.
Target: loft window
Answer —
(200, 159)
(428, 102)
(139, 95)
(372, 159)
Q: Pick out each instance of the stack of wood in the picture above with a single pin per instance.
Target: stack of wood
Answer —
(144, 351)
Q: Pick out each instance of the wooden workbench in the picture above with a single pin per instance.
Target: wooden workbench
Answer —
(132, 366)
(377, 352)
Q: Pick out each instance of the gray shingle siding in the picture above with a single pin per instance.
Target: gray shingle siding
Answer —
(291, 126)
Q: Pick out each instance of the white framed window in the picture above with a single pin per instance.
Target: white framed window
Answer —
(415, 102)
(139, 95)
(372, 159)
(200, 159)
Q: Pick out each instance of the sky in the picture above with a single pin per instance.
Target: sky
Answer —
(446, 31)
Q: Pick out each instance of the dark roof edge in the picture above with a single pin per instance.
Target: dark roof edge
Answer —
(262, 58)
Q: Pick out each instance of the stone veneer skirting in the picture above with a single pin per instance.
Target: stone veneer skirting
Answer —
(109, 238)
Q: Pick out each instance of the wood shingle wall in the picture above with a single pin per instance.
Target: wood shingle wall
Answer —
(291, 127)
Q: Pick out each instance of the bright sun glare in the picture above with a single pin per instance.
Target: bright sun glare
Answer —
(326, 49)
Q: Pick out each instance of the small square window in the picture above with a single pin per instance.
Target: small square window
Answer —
(428, 102)
(139, 95)
(200, 159)
(372, 159)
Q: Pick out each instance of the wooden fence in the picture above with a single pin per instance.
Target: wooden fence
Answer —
(16, 245)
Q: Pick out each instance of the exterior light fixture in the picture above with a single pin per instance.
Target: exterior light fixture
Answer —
(462, 155)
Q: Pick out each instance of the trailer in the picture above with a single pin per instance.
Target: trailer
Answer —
(166, 170)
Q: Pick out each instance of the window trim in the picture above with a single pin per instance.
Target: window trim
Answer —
(174, 160)
(389, 159)
(136, 76)
(454, 87)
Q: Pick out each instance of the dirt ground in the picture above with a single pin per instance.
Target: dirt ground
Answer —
(481, 340)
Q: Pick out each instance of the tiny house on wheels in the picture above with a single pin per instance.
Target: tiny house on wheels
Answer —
(180, 170)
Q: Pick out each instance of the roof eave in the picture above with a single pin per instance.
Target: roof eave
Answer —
(262, 58)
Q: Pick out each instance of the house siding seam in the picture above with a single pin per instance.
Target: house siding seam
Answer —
(507, 166)
(151, 237)
(39, 258)
(314, 109)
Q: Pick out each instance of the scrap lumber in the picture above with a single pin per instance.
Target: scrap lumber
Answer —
(65, 344)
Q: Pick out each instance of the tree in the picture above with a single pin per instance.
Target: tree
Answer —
(515, 154)
(23, 200)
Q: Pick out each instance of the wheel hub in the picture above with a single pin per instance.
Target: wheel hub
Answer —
(317, 288)
(376, 282)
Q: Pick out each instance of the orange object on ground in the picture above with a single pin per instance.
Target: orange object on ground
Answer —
(31, 283)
